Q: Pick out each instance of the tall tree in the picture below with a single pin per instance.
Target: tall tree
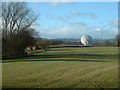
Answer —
(17, 34)
(16, 16)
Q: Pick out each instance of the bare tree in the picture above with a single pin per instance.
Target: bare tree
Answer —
(17, 19)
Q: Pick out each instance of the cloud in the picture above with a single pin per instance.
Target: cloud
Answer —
(78, 23)
(76, 31)
(116, 21)
(96, 28)
(60, 18)
(62, 2)
(64, 18)
(62, 32)
(71, 15)
(76, 13)
(58, 3)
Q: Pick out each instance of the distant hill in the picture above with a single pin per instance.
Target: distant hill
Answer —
(100, 40)
(76, 40)
(67, 39)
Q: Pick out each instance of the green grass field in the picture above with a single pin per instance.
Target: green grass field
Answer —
(75, 67)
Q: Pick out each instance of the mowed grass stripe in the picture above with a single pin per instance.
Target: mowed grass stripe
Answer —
(78, 78)
(58, 72)
(52, 70)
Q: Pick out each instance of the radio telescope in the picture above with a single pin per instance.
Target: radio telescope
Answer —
(86, 40)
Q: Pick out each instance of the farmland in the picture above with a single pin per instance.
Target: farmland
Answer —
(68, 67)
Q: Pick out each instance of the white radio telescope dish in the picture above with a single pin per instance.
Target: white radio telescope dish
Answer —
(86, 40)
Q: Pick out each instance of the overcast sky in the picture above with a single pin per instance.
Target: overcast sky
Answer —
(74, 19)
